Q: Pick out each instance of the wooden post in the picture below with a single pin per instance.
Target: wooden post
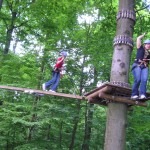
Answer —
(123, 44)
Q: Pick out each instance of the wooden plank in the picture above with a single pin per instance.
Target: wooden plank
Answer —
(121, 90)
(122, 100)
(34, 91)
(114, 87)
(96, 89)
(95, 94)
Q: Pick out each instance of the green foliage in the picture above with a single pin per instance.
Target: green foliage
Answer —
(20, 70)
(139, 122)
(43, 27)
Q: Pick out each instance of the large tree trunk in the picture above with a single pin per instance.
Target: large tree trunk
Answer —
(117, 112)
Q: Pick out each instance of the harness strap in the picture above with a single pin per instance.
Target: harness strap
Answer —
(142, 62)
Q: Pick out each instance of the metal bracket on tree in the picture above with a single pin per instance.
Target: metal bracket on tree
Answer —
(122, 84)
(123, 39)
(129, 14)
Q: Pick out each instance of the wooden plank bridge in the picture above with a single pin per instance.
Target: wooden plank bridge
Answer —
(102, 95)
(40, 92)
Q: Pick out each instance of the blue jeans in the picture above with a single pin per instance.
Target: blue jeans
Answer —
(140, 80)
(54, 81)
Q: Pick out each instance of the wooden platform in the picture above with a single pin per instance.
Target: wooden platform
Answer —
(113, 93)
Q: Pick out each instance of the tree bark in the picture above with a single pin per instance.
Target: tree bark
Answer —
(117, 112)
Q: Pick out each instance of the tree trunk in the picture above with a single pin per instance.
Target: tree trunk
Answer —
(89, 119)
(33, 119)
(1, 2)
(88, 127)
(48, 132)
(77, 117)
(76, 120)
(117, 112)
(60, 134)
(9, 33)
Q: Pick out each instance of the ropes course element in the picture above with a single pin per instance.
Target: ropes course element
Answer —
(122, 84)
(123, 39)
(114, 93)
(106, 93)
(127, 14)
(40, 92)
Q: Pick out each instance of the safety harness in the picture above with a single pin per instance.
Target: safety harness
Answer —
(142, 62)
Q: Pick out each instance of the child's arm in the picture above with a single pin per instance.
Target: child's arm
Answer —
(61, 60)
